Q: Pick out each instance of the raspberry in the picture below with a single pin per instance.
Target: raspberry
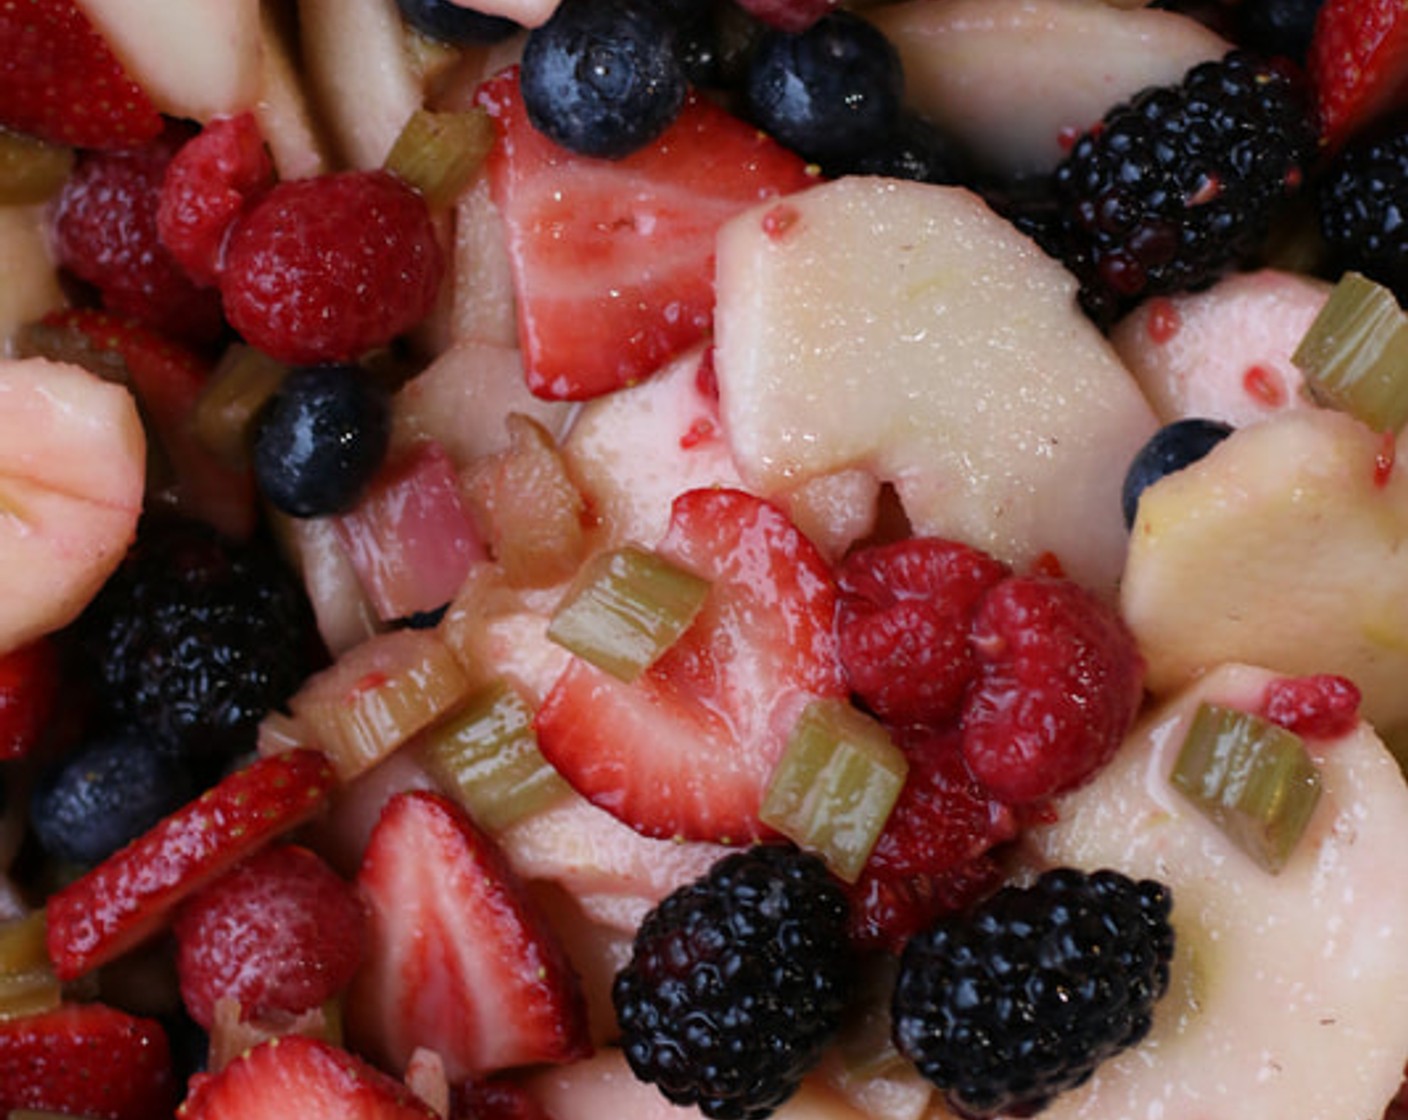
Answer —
(208, 182)
(324, 269)
(105, 233)
(279, 933)
(1059, 683)
(887, 910)
(1322, 706)
(903, 625)
(29, 683)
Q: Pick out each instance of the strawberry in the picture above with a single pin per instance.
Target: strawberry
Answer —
(302, 1077)
(494, 1100)
(61, 82)
(86, 1060)
(29, 681)
(168, 379)
(458, 960)
(613, 260)
(131, 894)
(787, 15)
(279, 933)
(1358, 65)
(687, 750)
(206, 186)
(104, 226)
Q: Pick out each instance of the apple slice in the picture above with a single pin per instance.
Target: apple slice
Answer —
(1284, 547)
(1016, 81)
(906, 330)
(1286, 993)
(1223, 353)
(285, 117)
(194, 58)
(72, 470)
(32, 285)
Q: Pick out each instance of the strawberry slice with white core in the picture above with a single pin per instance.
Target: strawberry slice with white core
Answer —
(131, 894)
(458, 960)
(613, 259)
(687, 750)
(301, 1077)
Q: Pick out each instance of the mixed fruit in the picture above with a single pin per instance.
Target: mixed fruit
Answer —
(721, 557)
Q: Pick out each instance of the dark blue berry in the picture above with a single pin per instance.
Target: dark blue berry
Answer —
(602, 77)
(320, 439)
(829, 91)
(1170, 449)
(914, 149)
(447, 22)
(103, 795)
(1276, 27)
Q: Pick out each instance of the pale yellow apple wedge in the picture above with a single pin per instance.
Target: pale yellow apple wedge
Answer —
(1286, 547)
(908, 331)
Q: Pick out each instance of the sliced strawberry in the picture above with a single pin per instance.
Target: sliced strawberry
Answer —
(1358, 64)
(613, 260)
(687, 750)
(458, 961)
(61, 82)
(302, 1077)
(168, 379)
(131, 894)
(29, 681)
(86, 1060)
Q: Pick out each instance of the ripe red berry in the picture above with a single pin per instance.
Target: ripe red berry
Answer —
(105, 233)
(208, 182)
(326, 268)
(1321, 706)
(1059, 683)
(888, 909)
(903, 625)
(29, 681)
(281, 932)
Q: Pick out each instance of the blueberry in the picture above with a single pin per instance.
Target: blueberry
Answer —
(829, 91)
(1281, 27)
(104, 794)
(602, 77)
(320, 439)
(914, 149)
(1170, 449)
(447, 22)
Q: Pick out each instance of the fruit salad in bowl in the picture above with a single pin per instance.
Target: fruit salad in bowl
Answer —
(725, 558)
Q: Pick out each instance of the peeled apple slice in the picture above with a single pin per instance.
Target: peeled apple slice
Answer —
(72, 470)
(908, 331)
(1286, 993)
(1284, 547)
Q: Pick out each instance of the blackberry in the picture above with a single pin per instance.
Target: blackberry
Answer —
(602, 77)
(1363, 207)
(737, 983)
(1182, 181)
(195, 638)
(320, 439)
(1024, 997)
(1171, 448)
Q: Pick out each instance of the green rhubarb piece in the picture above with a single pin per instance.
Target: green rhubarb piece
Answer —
(486, 755)
(438, 153)
(30, 170)
(1253, 778)
(834, 787)
(1355, 354)
(627, 608)
(240, 385)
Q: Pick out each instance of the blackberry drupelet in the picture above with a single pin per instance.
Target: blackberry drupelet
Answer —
(737, 983)
(1181, 182)
(1171, 448)
(1020, 1000)
(1363, 207)
(195, 638)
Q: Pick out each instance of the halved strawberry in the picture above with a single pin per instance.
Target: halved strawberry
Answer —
(613, 260)
(86, 1060)
(61, 82)
(687, 750)
(168, 379)
(131, 894)
(1358, 64)
(302, 1077)
(29, 682)
(458, 960)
